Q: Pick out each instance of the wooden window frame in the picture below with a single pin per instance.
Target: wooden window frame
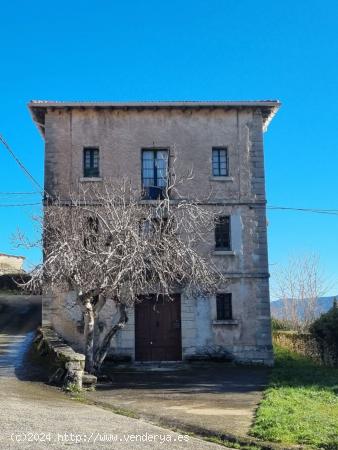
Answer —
(217, 169)
(158, 190)
(224, 306)
(91, 171)
(221, 222)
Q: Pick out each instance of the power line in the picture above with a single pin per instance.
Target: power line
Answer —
(41, 189)
(20, 164)
(18, 204)
(332, 212)
(20, 193)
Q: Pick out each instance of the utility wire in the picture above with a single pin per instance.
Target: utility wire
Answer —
(332, 212)
(20, 164)
(18, 204)
(30, 176)
(20, 193)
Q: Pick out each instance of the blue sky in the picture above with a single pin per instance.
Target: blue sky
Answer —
(184, 50)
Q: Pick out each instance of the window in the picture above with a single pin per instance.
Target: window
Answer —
(154, 227)
(154, 173)
(220, 162)
(93, 224)
(222, 233)
(91, 229)
(91, 163)
(224, 306)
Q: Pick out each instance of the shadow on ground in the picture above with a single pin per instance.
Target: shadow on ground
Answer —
(297, 371)
(20, 317)
(219, 397)
(205, 377)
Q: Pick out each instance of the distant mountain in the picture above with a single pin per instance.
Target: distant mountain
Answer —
(323, 305)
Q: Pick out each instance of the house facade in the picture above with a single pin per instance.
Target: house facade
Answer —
(11, 264)
(223, 143)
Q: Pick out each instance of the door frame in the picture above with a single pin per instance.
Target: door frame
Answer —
(177, 298)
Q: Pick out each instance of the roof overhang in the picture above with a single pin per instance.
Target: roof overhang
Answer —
(13, 256)
(38, 108)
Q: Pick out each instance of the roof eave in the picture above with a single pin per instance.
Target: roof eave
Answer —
(38, 107)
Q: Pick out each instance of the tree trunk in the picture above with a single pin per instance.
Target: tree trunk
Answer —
(101, 352)
(89, 325)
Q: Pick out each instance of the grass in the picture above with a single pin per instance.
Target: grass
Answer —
(72, 388)
(300, 405)
(229, 444)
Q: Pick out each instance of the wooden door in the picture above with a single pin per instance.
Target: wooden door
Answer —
(158, 329)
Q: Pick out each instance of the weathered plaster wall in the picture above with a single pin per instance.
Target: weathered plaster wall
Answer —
(247, 337)
(10, 264)
(190, 135)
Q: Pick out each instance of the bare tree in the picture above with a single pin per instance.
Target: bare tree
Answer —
(299, 284)
(106, 244)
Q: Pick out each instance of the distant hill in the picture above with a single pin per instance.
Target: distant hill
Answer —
(323, 305)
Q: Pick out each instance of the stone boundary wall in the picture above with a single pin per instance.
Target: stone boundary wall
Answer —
(301, 343)
(8, 281)
(68, 365)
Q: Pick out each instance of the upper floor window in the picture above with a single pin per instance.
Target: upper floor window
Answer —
(91, 162)
(91, 229)
(223, 307)
(220, 162)
(222, 233)
(151, 227)
(154, 173)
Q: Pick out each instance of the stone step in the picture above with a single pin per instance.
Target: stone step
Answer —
(89, 380)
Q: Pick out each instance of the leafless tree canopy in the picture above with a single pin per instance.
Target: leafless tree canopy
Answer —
(299, 284)
(106, 243)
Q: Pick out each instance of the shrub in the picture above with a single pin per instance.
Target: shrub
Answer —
(300, 343)
(325, 332)
(280, 324)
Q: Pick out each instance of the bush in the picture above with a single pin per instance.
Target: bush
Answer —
(300, 343)
(8, 282)
(280, 325)
(325, 332)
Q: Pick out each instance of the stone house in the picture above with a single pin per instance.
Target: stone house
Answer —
(11, 264)
(87, 142)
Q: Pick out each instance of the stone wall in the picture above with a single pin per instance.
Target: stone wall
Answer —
(10, 264)
(301, 343)
(68, 364)
(189, 135)
(247, 337)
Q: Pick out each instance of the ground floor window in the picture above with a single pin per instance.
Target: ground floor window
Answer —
(222, 233)
(224, 306)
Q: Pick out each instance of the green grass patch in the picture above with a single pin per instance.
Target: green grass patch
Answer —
(300, 405)
(229, 444)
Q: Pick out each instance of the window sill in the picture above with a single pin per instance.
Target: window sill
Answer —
(224, 253)
(225, 322)
(150, 201)
(90, 179)
(212, 178)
